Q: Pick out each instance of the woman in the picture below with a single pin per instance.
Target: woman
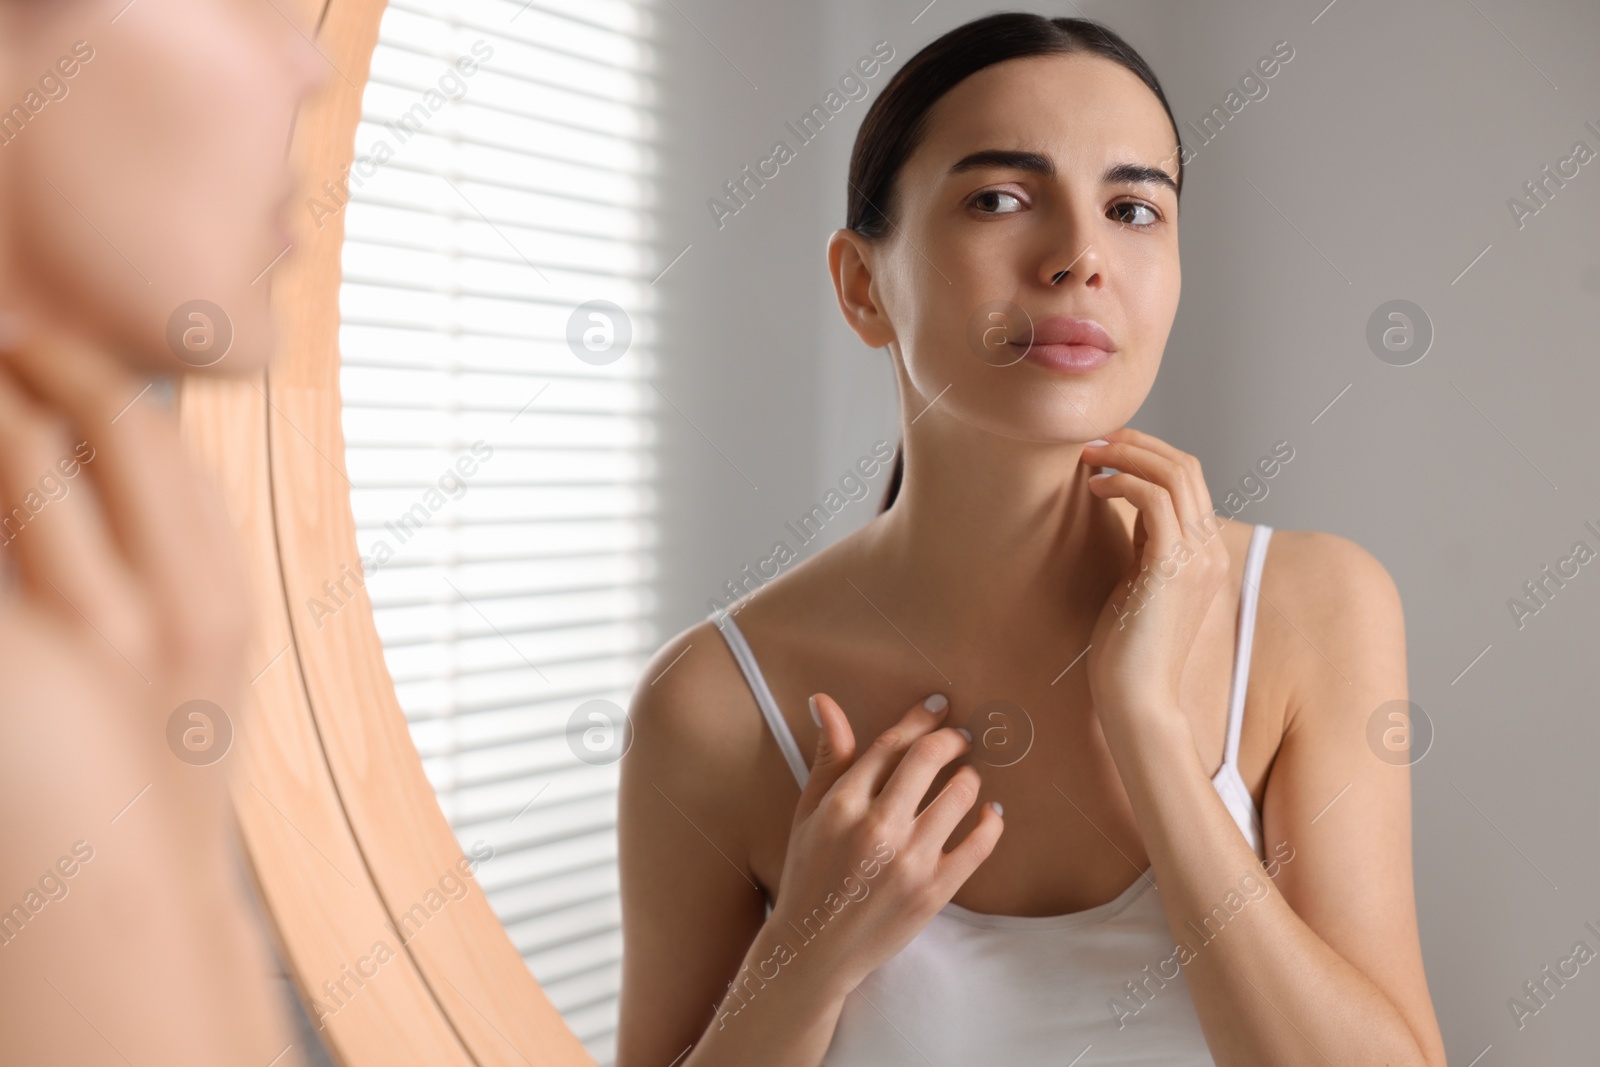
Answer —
(142, 172)
(1202, 860)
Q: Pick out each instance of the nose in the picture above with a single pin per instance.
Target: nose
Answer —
(1083, 263)
(1072, 254)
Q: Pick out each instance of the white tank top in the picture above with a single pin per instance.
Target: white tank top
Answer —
(1104, 986)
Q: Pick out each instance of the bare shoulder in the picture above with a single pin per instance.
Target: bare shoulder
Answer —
(692, 695)
(690, 902)
(1331, 572)
(1339, 607)
(694, 719)
(1338, 785)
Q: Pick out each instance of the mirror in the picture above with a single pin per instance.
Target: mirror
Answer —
(388, 936)
(498, 429)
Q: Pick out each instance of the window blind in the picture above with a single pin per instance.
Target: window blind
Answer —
(499, 452)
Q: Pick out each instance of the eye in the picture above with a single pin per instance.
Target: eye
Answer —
(996, 201)
(1136, 205)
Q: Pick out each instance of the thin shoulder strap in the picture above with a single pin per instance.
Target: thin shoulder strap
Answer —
(758, 686)
(1249, 597)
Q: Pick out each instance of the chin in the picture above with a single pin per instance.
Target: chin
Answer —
(231, 336)
(250, 354)
(249, 349)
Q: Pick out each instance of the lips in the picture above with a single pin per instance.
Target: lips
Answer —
(1072, 346)
(1066, 331)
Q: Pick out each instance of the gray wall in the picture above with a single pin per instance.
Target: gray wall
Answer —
(1377, 167)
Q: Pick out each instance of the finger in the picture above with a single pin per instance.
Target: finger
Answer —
(1202, 512)
(836, 749)
(913, 776)
(1155, 507)
(873, 767)
(1199, 526)
(944, 813)
(54, 528)
(957, 865)
(1166, 471)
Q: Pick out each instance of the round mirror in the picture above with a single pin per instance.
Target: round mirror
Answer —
(448, 607)
(497, 428)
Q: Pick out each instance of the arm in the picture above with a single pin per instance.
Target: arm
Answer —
(689, 916)
(693, 916)
(1329, 969)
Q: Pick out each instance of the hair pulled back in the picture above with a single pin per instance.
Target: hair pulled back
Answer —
(897, 120)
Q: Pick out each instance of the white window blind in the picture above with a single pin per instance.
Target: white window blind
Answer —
(502, 486)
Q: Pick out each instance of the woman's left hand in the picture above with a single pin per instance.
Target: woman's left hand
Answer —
(1149, 624)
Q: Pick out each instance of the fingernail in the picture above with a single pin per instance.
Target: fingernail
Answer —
(1098, 441)
(814, 716)
(1102, 474)
(964, 732)
(936, 703)
(998, 810)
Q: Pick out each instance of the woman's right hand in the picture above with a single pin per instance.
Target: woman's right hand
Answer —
(859, 844)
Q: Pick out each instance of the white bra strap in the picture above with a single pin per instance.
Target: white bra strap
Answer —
(1249, 597)
(758, 686)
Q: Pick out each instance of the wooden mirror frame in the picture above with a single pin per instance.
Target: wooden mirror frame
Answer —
(342, 829)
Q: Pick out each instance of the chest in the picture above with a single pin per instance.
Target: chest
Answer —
(1072, 840)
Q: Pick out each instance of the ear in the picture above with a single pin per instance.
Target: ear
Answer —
(850, 264)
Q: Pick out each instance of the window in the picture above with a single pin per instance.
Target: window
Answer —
(501, 473)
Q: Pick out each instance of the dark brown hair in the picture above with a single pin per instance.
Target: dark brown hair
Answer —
(897, 121)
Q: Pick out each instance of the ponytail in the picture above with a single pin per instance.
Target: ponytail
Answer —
(894, 478)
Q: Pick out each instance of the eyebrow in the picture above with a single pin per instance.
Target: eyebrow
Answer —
(1115, 174)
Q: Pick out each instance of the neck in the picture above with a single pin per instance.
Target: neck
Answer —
(991, 527)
